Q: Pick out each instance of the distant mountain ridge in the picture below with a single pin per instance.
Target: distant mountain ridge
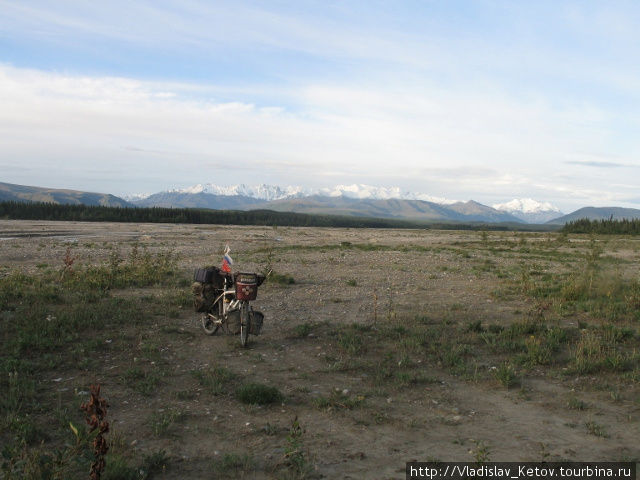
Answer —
(394, 208)
(199, 200)
(24, 193)
(337, 205)
(353, 200)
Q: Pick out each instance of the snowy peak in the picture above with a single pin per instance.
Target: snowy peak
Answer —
(361, 191)
(530, 210)
(272, 192)
(526, 205)
(135, 197)
(368, 192)
(260, 192)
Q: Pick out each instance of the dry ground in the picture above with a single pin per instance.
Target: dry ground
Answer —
(414, 379)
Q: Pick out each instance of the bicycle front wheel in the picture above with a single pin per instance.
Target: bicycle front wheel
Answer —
(245, 323)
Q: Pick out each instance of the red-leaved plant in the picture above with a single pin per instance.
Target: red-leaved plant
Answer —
(96, 411)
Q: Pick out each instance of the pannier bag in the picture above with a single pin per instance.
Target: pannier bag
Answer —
(256, 322)
(233, 321)
(209, 275)
(203, 296)
(199, 304)
(246, 286)
(203, 275)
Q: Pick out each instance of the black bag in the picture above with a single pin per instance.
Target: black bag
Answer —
(204, 275)
(211, 275)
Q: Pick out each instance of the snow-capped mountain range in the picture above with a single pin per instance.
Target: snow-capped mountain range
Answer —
(259, 192)
(526, 209)
(361, 191)
(273, 192)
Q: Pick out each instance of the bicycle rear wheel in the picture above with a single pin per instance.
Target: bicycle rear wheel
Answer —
(209, 325)
(211, 319)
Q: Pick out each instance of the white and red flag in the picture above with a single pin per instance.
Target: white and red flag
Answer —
(227, 261)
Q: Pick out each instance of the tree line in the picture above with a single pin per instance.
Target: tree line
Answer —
(12, 210)
(609, 226)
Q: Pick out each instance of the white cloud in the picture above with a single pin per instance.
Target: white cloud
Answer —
(131, 135)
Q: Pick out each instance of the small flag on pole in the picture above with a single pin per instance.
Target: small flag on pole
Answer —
(227, 261)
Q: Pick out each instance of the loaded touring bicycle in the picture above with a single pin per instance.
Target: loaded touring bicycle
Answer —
(223, 299)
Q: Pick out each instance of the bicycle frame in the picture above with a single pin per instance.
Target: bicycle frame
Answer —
(226, 306)
(230, 305)
(224, 303)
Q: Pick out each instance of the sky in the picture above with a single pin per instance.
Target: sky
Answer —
(487, 100)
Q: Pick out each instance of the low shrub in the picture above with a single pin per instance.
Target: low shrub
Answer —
(258, 394)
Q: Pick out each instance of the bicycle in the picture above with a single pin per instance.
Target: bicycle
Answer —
(224, 299)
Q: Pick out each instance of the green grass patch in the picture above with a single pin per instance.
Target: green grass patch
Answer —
(65, 319)
(338, 400)
(143, 381)
(351, 339)
(216, 380)
(161, 421)
(575, 403)
(595, 429)
(233, 465)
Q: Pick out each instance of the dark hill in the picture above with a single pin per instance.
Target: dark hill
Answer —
(199, 200)
(23, 193)
(598, 213)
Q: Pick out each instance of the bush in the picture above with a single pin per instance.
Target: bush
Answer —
(258, 394)
(506, 375)
(303, 330)
(281, 278)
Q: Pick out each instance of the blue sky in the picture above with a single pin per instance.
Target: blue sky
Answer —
(485, 100)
